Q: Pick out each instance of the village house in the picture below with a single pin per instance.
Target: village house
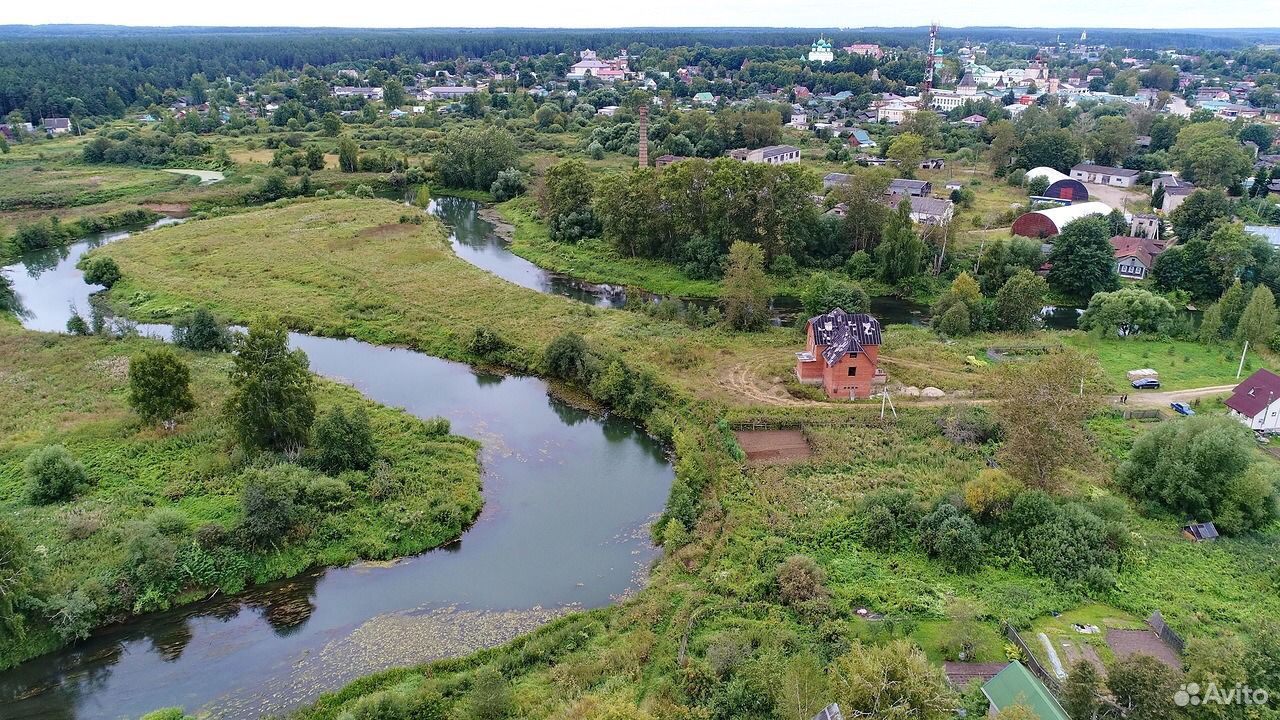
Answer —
(448, 92)
(1135, 256)
(1145, 225)
(1270, 233)
(1175, 191)
(1256, 401)
(973, 121)
(895, 111)
(589, 65)
(773, 155)
(56, 126)
(841, 354)
(903, 186)
(1104, 175)
(860, 138)
(368, 93)
(924, 210)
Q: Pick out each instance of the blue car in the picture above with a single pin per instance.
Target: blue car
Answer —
(1182, 408)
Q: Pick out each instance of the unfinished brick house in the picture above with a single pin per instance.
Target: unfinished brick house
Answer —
(841, 355)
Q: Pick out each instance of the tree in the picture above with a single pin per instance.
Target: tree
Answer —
(1230, 251)
(566, 357)
(159, 386)
(1257, 324)
(100, 270)
(392, 93)
(1200, 469)
(959, 307)
(825, 292)
(201, 331)
(1020, 301)
(1196, 216)
(1082, 691)
(268, 506)
(627, 202)
(331, 124)
(1083, 259)
(510, 183)
(344, 441)
(472, 157)
(1208, 154)
(8, 298)
(490, 697)
(908, 150)
(348, 155)
(1127, 311)
(894, 680)
(53, 475)
(566, 200)
(1143, 686)
(1057, 148)
(271, 403)
(901, 251)
(1043, 411)
(16, 580)
(1111, 140)
(746, 288)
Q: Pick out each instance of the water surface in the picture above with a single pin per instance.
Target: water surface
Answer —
(568, 497)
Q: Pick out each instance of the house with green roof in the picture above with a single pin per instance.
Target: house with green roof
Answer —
(704, 98)
(1015, 685)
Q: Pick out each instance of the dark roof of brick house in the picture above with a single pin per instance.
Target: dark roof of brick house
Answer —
(1145, 249)
(843, 333)
(1254, 394)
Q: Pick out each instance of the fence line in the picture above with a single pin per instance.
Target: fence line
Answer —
(1166, 633)
(1032, 663)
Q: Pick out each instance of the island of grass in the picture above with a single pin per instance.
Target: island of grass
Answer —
(157, 521)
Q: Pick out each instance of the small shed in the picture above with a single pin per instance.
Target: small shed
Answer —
(1135, 375)
(1199, 532)
(830, 712)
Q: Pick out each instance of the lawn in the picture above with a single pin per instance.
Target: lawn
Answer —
(349, 268)
(1181, 364)
(65, 390)
(28, 185)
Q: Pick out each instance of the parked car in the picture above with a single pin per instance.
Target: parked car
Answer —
(1182, 408)
(1146, 384)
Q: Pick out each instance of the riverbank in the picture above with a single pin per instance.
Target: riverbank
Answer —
(69, 391)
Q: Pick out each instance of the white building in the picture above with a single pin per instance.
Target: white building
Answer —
(1256, 401)
(821, 51)
(1105, 175)
(895, 111)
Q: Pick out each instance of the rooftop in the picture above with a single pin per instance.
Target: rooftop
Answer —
(1015, 685)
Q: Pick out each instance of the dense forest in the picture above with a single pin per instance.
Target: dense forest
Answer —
(43, 70)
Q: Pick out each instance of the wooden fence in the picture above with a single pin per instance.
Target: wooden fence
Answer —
(1049, 679)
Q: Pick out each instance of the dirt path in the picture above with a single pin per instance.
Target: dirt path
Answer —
(1163, 398)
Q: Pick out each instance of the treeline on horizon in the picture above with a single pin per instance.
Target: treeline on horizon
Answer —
(42, 66)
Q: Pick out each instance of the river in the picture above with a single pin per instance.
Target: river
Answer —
(568, 499)
(474, 240)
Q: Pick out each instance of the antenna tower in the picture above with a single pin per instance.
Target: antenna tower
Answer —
(928, 61)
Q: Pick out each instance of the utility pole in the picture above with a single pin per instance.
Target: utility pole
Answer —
(1242, 354)
(885, 399)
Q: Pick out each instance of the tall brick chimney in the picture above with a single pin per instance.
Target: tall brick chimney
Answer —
(643, 111)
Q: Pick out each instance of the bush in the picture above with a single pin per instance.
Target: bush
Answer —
(801, 579)
(343, 441)
(269, 512)
(566, 357)
(211, 536)
(436, 426)
(970, 425)
(991, 494)
(159, 385)
(169, 521)
(510, 183)
(201, 331)
(327, 493)
(485, 343)
(53, 475)
(100, 270)
(955, 322)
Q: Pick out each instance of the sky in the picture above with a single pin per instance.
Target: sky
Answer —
(1145, 14)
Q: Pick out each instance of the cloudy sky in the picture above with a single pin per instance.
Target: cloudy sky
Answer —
(578, 13)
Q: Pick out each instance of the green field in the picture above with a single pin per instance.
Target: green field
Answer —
(71, 391)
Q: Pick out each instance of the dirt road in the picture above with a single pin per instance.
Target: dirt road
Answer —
(1161, 399)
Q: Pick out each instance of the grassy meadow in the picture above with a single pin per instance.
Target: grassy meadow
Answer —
(71, 391)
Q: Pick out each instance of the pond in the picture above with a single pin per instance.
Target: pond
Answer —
(568, 500)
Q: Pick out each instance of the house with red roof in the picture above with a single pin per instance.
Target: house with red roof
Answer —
(1135, 256)
(1256, 401)
(841, 354)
